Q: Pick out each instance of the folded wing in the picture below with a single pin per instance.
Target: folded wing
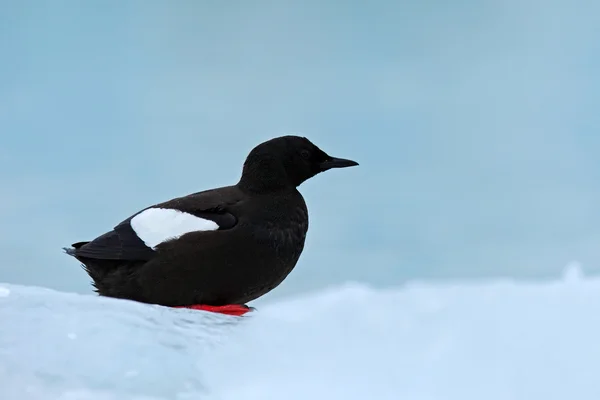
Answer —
(137, 237)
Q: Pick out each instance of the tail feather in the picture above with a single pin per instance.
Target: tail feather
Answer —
(70, 251)
(96, 269)
(112, 278)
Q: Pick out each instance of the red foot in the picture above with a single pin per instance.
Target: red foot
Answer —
(230, 309)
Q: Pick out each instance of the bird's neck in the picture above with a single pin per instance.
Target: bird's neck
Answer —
(263, 176)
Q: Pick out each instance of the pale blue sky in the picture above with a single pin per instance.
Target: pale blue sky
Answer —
(475, 124)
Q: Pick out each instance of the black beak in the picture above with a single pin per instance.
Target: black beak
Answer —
(337, 163)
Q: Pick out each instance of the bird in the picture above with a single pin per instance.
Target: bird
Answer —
(218, 249)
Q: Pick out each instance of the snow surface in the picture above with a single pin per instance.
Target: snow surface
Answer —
(491, 341)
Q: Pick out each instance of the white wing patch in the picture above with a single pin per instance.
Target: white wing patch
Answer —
(157, 225)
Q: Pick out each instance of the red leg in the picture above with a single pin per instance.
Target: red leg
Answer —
(229, 309)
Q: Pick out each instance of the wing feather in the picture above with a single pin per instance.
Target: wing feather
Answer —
(124, 243)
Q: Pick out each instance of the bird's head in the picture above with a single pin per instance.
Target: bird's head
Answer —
(287, 161)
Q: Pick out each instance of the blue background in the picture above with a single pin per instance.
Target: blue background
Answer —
(475, 124)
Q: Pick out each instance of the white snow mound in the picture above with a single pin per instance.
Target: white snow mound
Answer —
(494, 341)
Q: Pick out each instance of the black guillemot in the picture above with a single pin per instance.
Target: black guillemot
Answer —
(218, 249)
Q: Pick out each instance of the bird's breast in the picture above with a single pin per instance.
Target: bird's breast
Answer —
(280, 229)
(282, 237)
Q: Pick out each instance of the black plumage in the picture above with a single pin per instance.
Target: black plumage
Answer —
(261, 225)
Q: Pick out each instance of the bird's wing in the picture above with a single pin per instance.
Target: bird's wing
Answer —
(136, 237)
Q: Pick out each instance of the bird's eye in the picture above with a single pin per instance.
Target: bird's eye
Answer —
(305, 154)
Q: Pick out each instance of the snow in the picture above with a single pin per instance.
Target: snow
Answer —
(455, 341)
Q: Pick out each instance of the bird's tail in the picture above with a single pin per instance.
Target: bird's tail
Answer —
(93, 268)
(72, 251)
